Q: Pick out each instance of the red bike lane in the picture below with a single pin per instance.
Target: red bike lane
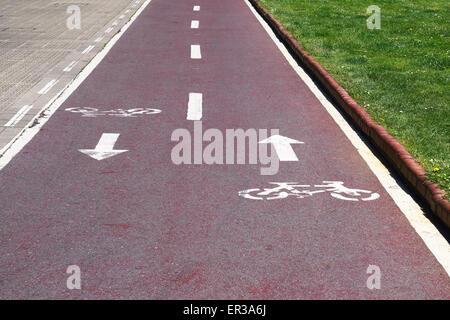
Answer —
(139, 226)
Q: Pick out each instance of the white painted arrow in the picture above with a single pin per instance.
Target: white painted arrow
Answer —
(104, 148)
(283, 147)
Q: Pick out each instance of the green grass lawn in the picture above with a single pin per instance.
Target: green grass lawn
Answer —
(399, 73)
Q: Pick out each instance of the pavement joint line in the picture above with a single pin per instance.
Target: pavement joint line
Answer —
(88, 49)
(430, 235)
(18, 116)
(48, 87)
(196, 51)
(70, 66)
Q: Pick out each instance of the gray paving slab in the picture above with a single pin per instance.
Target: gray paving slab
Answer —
(34, 37)
(36, 46)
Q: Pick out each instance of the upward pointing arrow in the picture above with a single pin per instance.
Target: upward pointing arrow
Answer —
(283, 147)
(104, 148)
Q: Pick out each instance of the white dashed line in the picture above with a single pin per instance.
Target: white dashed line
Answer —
(88, 49)
(115, 23)
(196, 52)
(122, 16)
(98, 39)
(195, 108)
(195, 24)
(18, 116)
(109, 30)
(70, 66)
(48, 86)
(196, 8)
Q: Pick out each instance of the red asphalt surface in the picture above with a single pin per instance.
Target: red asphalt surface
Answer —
(139, 226)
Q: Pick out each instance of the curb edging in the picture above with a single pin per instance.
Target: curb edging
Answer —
(394, 152)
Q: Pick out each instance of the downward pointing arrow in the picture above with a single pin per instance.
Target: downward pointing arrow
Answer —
(283, 147)
(104, 148)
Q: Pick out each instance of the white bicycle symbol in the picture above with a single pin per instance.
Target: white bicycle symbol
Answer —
(286, 189)
(130, 113)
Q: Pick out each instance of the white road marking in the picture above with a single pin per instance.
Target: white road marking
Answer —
(88, 49)
(195, 106)
(16, 144)
(127, 11)
(115, 23)
(70, 66)
(121, 113)
(104, 148)
(18, 116)
(109, 30)
(121, 17)
(48, 86)
(196, 8)
(99, 39)
(195, 24)
(432, 238)
(196, 52)
(282, 146)
(284, 190)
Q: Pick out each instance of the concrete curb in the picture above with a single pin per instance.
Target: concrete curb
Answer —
(395, 153)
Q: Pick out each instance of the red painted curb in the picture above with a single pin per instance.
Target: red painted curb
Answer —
(394, 152)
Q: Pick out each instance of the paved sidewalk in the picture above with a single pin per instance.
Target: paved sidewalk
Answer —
(35, 39)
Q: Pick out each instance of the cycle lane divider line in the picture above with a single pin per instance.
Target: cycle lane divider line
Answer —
(195, 24)
(195, 106)
(48, 87)
(196, 51)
